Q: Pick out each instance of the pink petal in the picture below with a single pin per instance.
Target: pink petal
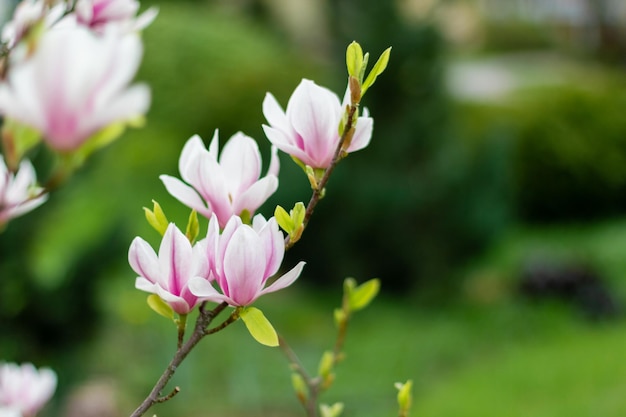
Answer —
(241, 163)
(244, 264)
(143, 260)
(185, 194)
(175, 256)
(256, 195)
(285, 280)
(194, 146)
(203, 289)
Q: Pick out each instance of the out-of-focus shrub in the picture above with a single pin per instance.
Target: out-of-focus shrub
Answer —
(569, 148)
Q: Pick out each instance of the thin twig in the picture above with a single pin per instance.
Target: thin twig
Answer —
(205, 317)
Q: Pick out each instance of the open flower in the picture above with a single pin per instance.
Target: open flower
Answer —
(242, 259)
(97, 14)
(168, 273)
(223, 185)
(19, 192)
(24, 390)
(74, 85)
(308, 130)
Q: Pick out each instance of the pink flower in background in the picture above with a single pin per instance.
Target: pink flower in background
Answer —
(19, 192)
(308, 130)
(27, 14)
(168, 273)
(242, 259)
(97, 14)
(24, 388)
(74, 85)
(225, 184)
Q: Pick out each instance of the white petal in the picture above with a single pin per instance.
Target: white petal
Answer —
(286, 280)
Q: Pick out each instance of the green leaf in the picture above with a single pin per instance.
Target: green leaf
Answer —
(283, 219)
(378, 69)
(331, 411)
(299, 386)
(246, 217)
(354, 59)
(161, 307)
(259, 326)
(362, 295)
(21, 138)
(193, 227)
(156, 218)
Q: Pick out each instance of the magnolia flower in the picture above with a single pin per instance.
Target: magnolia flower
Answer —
(24, 389)
(168, 273)
(19, 192)
(74, 85)
(242, 259)
(223, 185)
(27, 14)
(97, 14)
(308, 130)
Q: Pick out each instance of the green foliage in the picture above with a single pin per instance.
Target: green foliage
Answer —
(259, 326)
(567, 148)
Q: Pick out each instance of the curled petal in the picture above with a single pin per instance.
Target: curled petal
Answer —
(285, 280)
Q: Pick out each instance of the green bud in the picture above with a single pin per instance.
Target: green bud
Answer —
(259, 326)
(340, 317)
(362, 295)
(193, 227)
(354, 59)
(378, 69)
(405, 397)
(331, 411)
(156, 218)
(161, 307)
(326, 364)
(299, 386)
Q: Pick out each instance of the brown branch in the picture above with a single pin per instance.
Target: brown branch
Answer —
(205, 317)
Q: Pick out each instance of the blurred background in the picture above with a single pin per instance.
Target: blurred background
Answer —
(491, 203)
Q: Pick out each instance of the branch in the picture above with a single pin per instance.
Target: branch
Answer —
(205, 317)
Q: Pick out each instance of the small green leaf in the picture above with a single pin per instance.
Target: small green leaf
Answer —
(246, 217)
(161, 307)
(378, 69)
(193, 227)
(156, 218)
(405, 396)
(297, 214)
(331, 411)
(259, 326)
(362, 295)
(18, 139)
(299, 386)
(354, 59)
(326, 363)
(283, 219)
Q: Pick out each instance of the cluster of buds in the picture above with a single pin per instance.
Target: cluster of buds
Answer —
(65, 74)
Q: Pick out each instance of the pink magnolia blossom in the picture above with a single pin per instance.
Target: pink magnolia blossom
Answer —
(24, 388)
(19, 192)
(168, 273)
(242, 259)
(308, 130)
(75, 84)
(97, 14)
(27, 14)
(223, 185)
